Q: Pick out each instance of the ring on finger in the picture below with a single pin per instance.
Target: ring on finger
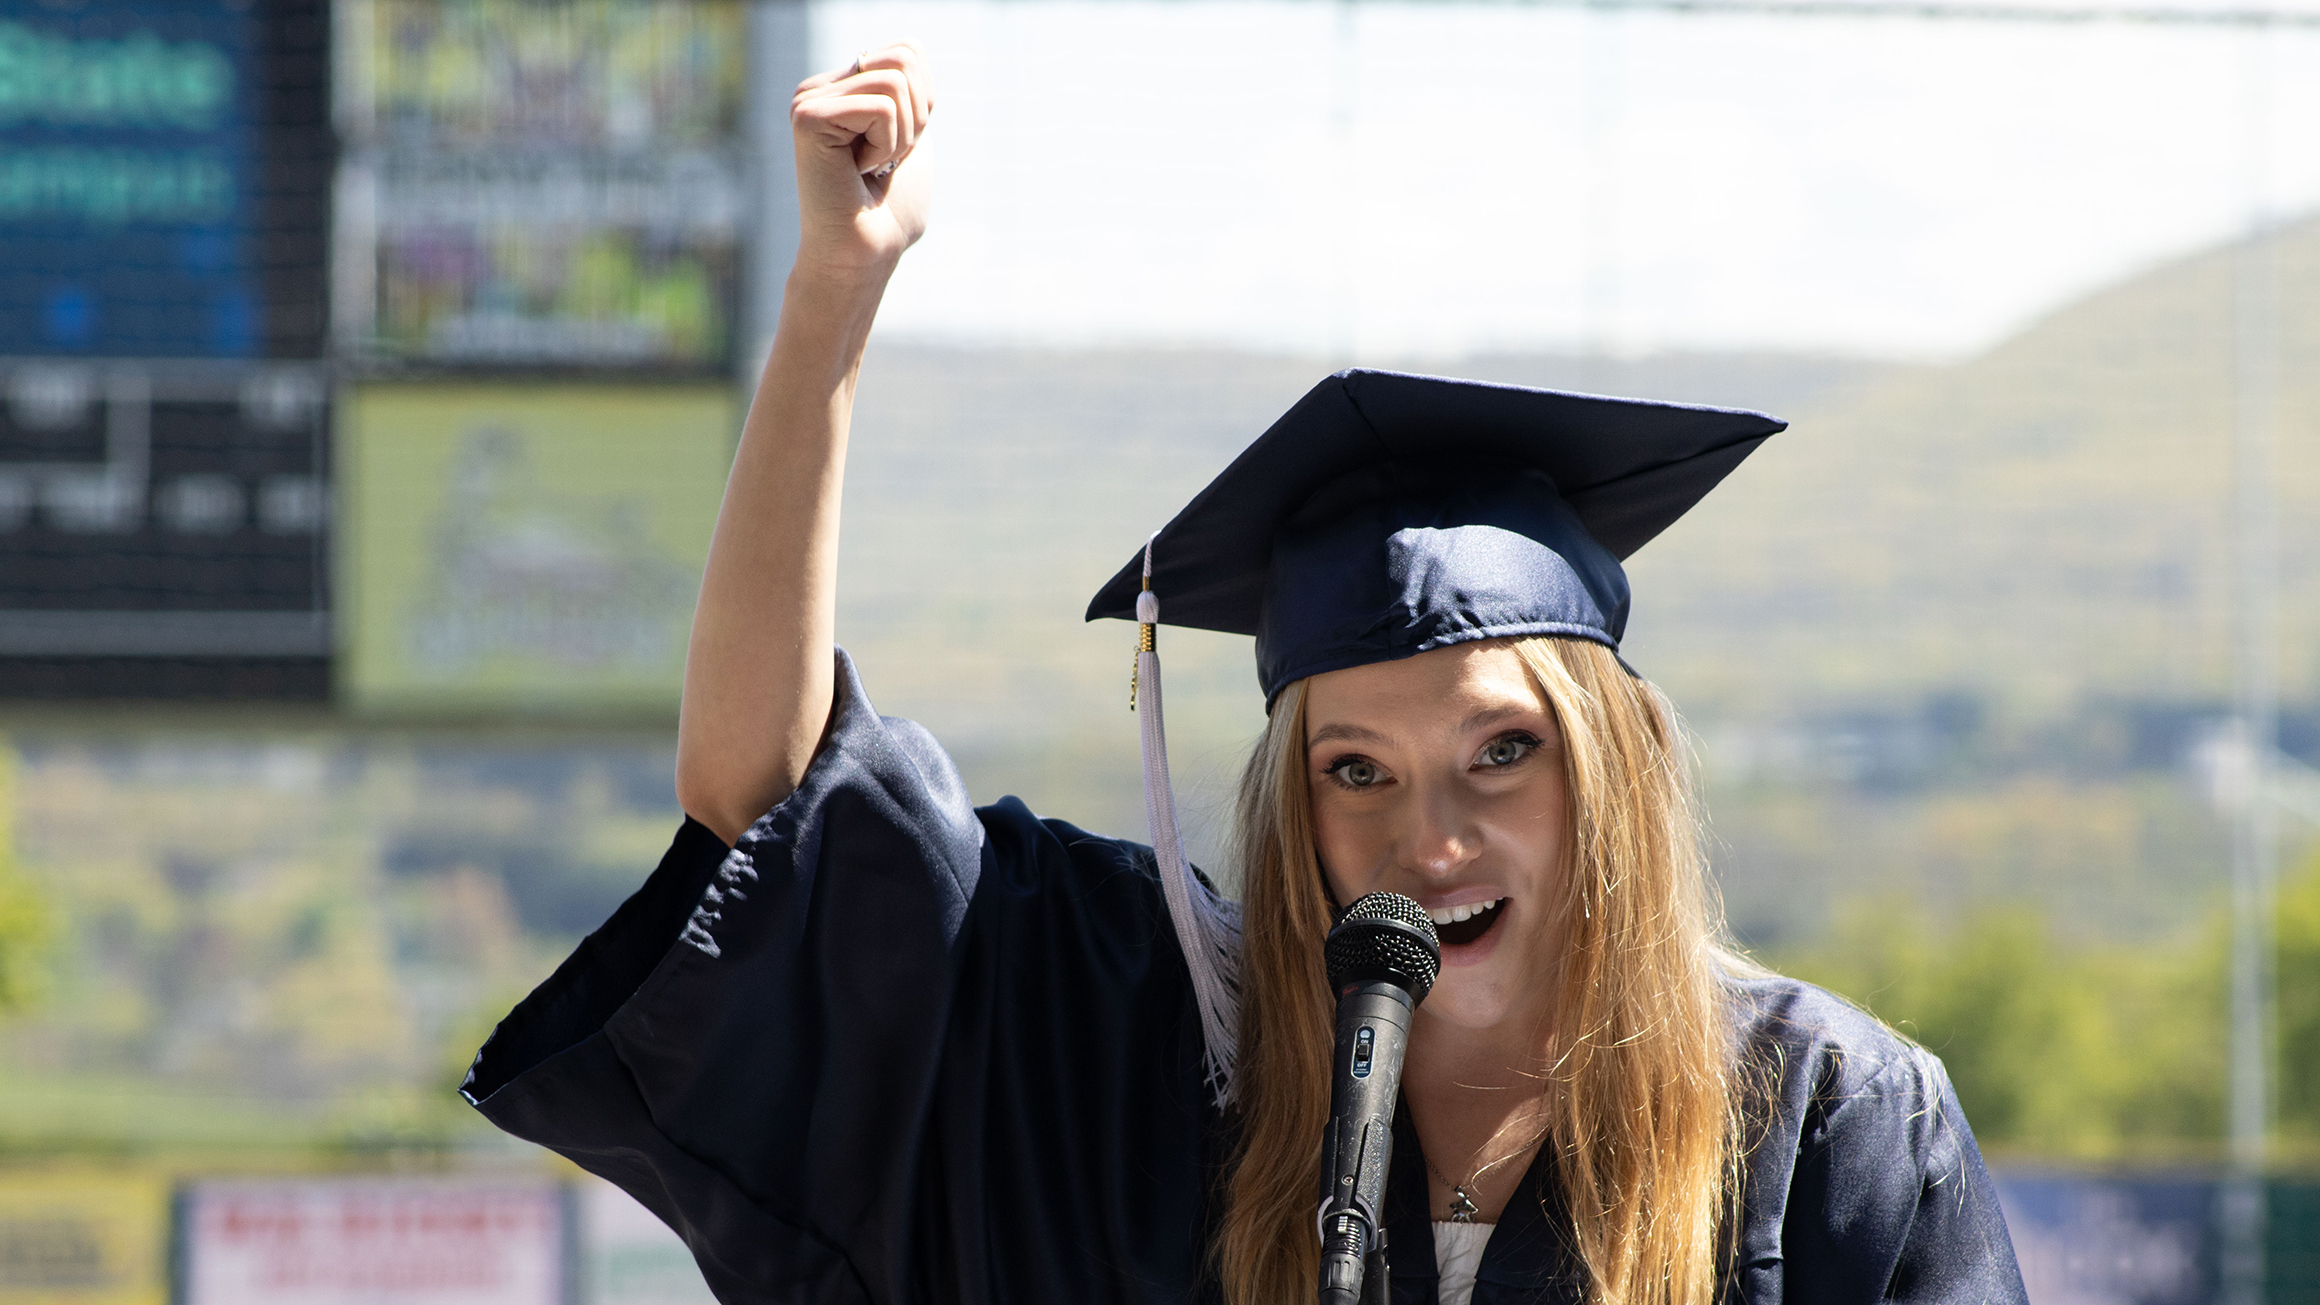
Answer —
(859, 61)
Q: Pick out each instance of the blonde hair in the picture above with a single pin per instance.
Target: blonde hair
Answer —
(1640, 1091)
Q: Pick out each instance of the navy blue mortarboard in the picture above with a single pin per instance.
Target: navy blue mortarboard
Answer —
(1387, 514)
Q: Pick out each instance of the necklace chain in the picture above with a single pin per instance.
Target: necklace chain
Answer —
(1462, 1207)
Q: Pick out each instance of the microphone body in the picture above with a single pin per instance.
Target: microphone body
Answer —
(1373, 1031)
(1382, 956)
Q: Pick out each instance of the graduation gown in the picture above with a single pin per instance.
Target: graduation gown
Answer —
(892, 1048)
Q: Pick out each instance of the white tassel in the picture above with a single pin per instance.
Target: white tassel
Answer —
(1207, 926)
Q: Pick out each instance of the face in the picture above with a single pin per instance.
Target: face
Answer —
(1440, 777)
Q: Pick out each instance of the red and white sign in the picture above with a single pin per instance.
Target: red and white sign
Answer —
(374, 1242)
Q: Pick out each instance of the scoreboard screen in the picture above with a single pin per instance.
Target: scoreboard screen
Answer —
(165, 178)
(163, 511)
(151, 202)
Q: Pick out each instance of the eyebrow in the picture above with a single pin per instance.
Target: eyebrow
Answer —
(1349, 733)
(1334, 732)
(1493, 715)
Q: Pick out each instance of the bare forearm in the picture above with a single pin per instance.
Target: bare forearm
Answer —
(758, 674)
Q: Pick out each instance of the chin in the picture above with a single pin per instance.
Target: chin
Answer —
(1468, 1000)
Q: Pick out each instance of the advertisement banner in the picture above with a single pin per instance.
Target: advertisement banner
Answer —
(2113, 1240)
(525, 548)
(543, 185)
(373, 1242)
(70, 1237)
(2156, 1238)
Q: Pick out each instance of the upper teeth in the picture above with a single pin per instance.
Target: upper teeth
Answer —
(1453, 915)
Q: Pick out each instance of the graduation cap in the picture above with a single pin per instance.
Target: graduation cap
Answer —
(1388, 514)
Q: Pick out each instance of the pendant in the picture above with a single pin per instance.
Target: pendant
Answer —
(1462, 1207)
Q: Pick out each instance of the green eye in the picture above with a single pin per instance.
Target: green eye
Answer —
(1356, 772)
(1506, 751)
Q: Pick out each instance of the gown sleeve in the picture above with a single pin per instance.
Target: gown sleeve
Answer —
(885, 1048)
(1869, 1186)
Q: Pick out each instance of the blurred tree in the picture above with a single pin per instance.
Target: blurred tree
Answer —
(2081, 1052)
(24, 917)
(2297, 915)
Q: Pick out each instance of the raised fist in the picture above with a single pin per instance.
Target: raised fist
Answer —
(862, 185)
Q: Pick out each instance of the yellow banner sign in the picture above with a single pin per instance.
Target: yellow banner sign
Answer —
(83, 1238)
(524, 548)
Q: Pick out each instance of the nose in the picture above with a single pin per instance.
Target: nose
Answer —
(1438, 839)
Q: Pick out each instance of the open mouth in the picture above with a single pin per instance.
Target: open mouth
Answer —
(1459, 925)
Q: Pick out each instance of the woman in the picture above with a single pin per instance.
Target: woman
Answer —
(859, 1041)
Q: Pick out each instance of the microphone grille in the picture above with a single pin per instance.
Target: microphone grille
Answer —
(1384, 937)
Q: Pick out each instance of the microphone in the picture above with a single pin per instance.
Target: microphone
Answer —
(1382, 957)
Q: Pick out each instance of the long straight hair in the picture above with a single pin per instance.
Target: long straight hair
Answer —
(1640, 1092)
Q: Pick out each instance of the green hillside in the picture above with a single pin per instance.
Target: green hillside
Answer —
(2044, 522)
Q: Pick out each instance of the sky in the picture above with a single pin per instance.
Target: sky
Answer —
(1391, 180)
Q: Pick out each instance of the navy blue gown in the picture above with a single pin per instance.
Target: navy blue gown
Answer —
(892, 1048)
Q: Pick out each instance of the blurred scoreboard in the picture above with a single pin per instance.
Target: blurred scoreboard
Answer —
(166, 169)
(229, 228)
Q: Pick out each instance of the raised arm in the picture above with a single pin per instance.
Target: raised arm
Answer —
(759, 671)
